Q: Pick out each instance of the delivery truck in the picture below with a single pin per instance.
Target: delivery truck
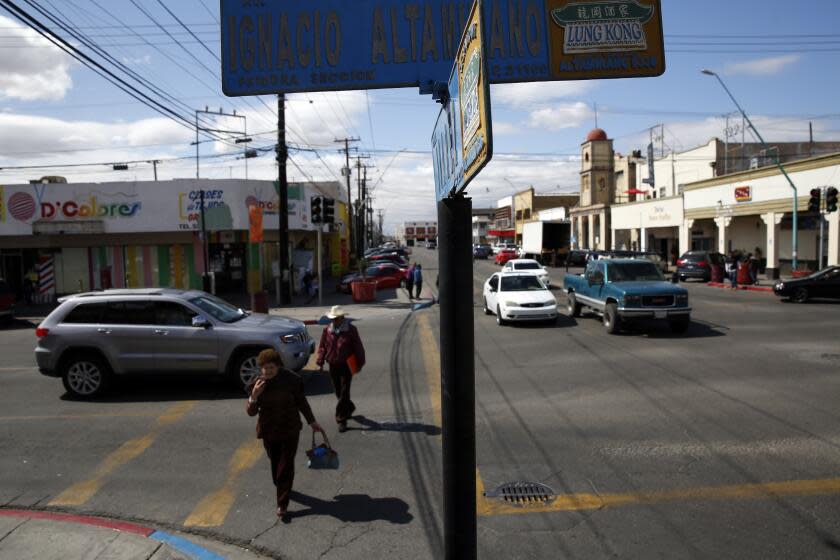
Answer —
(547, 242)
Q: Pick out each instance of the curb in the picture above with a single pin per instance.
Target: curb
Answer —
(764, 289)
(180, 544)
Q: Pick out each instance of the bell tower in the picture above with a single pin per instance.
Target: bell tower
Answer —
(597, 172)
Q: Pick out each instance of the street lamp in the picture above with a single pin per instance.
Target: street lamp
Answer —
(781, 167)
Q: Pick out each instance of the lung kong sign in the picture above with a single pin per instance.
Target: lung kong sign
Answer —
(606, 39)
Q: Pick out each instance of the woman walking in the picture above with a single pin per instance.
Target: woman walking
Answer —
(277, 396)
(341, 348)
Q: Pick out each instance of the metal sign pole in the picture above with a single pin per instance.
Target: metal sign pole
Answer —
(457, 373)
(320, 267)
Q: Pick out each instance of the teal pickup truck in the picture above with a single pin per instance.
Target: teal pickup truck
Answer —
(622, 290)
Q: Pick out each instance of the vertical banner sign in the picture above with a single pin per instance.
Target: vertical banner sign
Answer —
(462, 141)
(255, 222)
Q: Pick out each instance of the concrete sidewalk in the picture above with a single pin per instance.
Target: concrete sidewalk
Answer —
(48, 535)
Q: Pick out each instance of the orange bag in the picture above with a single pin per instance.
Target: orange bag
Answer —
(353, 364)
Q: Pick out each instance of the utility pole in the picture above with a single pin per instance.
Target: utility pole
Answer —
(283, 295)
(206, 284)
(154, 166)
(381, 229)
(345, 171)
(360, 207)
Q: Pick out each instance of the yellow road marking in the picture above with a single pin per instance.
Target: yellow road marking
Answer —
(213, 509)
(81, 492)
(587, 501)
(431, 363)
(81, 416)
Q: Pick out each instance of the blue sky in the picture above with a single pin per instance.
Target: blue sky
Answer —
(779, 58)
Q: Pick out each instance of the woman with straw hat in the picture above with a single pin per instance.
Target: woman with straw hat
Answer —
(341, 348)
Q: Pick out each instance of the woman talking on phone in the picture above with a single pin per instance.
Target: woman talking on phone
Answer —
(277, 396)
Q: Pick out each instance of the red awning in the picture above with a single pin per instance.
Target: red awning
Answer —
(502, 232)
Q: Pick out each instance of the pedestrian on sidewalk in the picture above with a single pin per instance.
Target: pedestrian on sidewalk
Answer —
(732, 270)
(418, 279)
(277, 396)
(341, 348)
(409, 282)
(753, 263)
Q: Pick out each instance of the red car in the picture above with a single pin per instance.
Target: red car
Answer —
(385, 276)
(506, 255)
(390, 258)
(7, 302)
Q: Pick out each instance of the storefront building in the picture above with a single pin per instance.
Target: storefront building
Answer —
(751, 212)
(651, 225)
(411, 234)
(89, 236)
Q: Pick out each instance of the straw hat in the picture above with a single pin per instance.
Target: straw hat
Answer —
(336, 311)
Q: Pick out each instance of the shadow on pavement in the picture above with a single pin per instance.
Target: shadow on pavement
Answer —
(402, 427)
(563, 321)
(656, 329)
(315, 383)
(17, 324)
(354, 508)
(164, 388)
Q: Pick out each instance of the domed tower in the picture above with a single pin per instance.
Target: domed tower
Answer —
(597, 172)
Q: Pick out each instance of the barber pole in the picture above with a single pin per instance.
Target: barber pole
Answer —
(45, 288)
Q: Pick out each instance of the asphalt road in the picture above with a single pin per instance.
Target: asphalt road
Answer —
(723, 443)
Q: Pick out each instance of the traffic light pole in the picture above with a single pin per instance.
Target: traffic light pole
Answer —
(320, 267)
(822, 217)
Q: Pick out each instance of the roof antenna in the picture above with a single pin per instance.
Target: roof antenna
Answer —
(595, 106)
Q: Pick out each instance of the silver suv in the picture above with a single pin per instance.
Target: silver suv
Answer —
(91, 337)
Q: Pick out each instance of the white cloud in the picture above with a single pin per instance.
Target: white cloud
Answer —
(527, 95)
(33, 68)
(144, 60)
(505, 128)
(558, 117)
(762, 66)
(26, 136)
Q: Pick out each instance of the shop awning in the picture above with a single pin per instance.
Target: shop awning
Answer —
(502, 232)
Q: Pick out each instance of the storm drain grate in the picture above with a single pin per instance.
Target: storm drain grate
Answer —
(523, 493)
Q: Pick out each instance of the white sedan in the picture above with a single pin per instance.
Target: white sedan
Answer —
(518, 296)
(529, 265)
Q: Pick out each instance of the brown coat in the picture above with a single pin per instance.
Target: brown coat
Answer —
(280, 406)
(335, 349)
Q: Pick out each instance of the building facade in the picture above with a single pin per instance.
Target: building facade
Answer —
(528, 204)
(481, 221)
(148, 234)
(411, 234)
(590, 219)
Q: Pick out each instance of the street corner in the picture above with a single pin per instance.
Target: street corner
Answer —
(57, 535)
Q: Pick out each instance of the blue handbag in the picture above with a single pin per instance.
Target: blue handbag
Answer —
(322, 456)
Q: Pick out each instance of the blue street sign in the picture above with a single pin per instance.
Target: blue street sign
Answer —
(285, 46)
(462, 141)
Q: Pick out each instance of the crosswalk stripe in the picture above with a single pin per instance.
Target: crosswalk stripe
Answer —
(213, 509)
(83, 491)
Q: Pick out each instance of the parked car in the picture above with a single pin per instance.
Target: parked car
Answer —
(518, 265)
(7, 302)
(92, 337)
(518, 296)
(482, 251)
(498, 247)
(822, 284)
(386, 275)
(388, 258)
(505, 255)
(622, 290)
(699, 264)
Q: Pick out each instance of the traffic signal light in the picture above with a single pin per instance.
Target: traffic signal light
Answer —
(329, 211)
(316, 209)
(814, 201)
(831, 199)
